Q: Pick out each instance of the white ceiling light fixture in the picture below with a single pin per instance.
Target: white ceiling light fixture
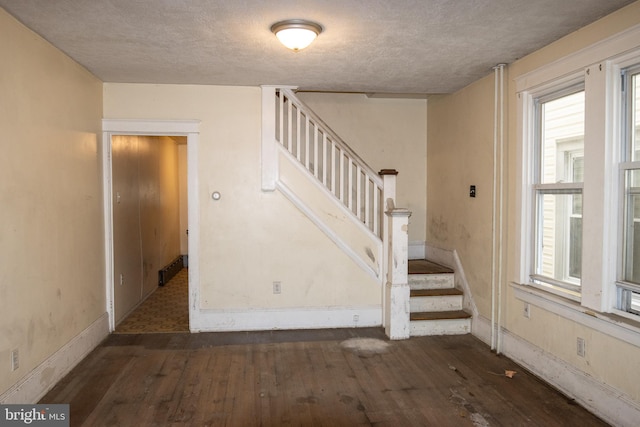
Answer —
(296, 34)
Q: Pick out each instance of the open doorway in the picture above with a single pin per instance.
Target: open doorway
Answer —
(148, 208)
(149, 233)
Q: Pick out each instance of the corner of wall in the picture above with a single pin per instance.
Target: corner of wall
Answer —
(45, 376)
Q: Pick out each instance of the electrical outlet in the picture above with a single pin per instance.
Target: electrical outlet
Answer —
(121, 279)
(15, 359)
(526, 312)
(277, 287)
(581, 348)
(356, 317)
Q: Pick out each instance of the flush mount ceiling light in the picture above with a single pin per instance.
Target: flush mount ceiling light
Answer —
(296, 34)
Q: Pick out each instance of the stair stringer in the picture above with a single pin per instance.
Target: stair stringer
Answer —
(329, 214)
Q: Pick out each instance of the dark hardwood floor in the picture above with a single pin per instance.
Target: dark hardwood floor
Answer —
(344, 377)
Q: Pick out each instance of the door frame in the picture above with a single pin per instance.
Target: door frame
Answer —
(188, 128)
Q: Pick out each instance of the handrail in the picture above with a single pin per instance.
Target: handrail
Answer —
(289, 93)
(327, 157)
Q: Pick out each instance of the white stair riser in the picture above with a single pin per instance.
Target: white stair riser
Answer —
(431, 281)
(436, 303)
(420, 328)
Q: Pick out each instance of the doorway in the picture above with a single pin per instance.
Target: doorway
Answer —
(143, 206)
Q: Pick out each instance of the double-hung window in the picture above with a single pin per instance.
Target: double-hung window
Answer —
(629, 284)
(578, 214)
(558, 182)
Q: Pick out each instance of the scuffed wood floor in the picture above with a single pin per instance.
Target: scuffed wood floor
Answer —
(346, 377)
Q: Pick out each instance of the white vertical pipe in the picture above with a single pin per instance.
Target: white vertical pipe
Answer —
(500, 209)
(493, 211)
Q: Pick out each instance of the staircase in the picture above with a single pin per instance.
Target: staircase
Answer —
(436, 305)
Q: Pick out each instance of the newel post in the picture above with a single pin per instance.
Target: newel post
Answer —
(395, 296)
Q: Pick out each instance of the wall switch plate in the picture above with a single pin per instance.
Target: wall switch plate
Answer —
(581, 348)
(15, 359)
(526, 311)
(472, 191)
(277, 287)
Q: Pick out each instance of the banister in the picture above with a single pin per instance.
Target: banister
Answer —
(349, 151)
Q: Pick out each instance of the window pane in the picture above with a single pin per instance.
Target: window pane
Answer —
(632, 226)
(559, 254)
(634, 129)
(562, 139)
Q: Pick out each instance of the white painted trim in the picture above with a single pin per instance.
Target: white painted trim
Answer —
(618, 328)
(608, 403)
(269, 154)
(452, 260)
(417, 250)
(344, 246)
(188, 128)
(150, 127)
(608, 48)
(481, 329)
(40, 380)
(287, 318)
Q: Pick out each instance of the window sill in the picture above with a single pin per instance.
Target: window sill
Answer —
(614, 325)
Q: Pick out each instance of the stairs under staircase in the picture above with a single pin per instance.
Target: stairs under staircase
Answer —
(436, 304)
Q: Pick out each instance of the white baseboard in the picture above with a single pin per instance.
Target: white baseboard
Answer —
(610, 404)
(40, 380)
(291, 318)
(452, 260)
(417, 250)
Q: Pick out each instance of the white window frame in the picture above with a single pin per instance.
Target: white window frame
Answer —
(625, 290)
(564, 287)
(598, 66)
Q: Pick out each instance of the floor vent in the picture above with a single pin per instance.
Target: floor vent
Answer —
(170, 270)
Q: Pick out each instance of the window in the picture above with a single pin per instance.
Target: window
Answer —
(629, 285)
(578, 214)
(559, 176)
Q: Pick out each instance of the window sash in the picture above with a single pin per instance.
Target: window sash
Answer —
(559, 142)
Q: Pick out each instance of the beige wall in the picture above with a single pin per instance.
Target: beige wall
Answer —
(249, 238)
(460, 153)
(387, 133)
(51, 233)
(146, 216)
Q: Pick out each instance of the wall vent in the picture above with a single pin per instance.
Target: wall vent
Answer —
(170, 270)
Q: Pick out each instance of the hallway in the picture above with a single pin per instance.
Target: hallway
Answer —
(166, 310)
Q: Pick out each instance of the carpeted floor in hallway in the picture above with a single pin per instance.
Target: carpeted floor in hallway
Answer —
(166, 310)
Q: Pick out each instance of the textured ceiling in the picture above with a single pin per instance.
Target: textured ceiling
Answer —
(372, 46)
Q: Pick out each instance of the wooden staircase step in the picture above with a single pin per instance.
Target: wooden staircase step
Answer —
(440, 315)
(422, 266)
(436, 292)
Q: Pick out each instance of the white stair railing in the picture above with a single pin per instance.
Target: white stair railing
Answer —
(329, 159)
(290, 128)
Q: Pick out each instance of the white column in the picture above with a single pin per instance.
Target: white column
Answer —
(388, 203)
(396, 305)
